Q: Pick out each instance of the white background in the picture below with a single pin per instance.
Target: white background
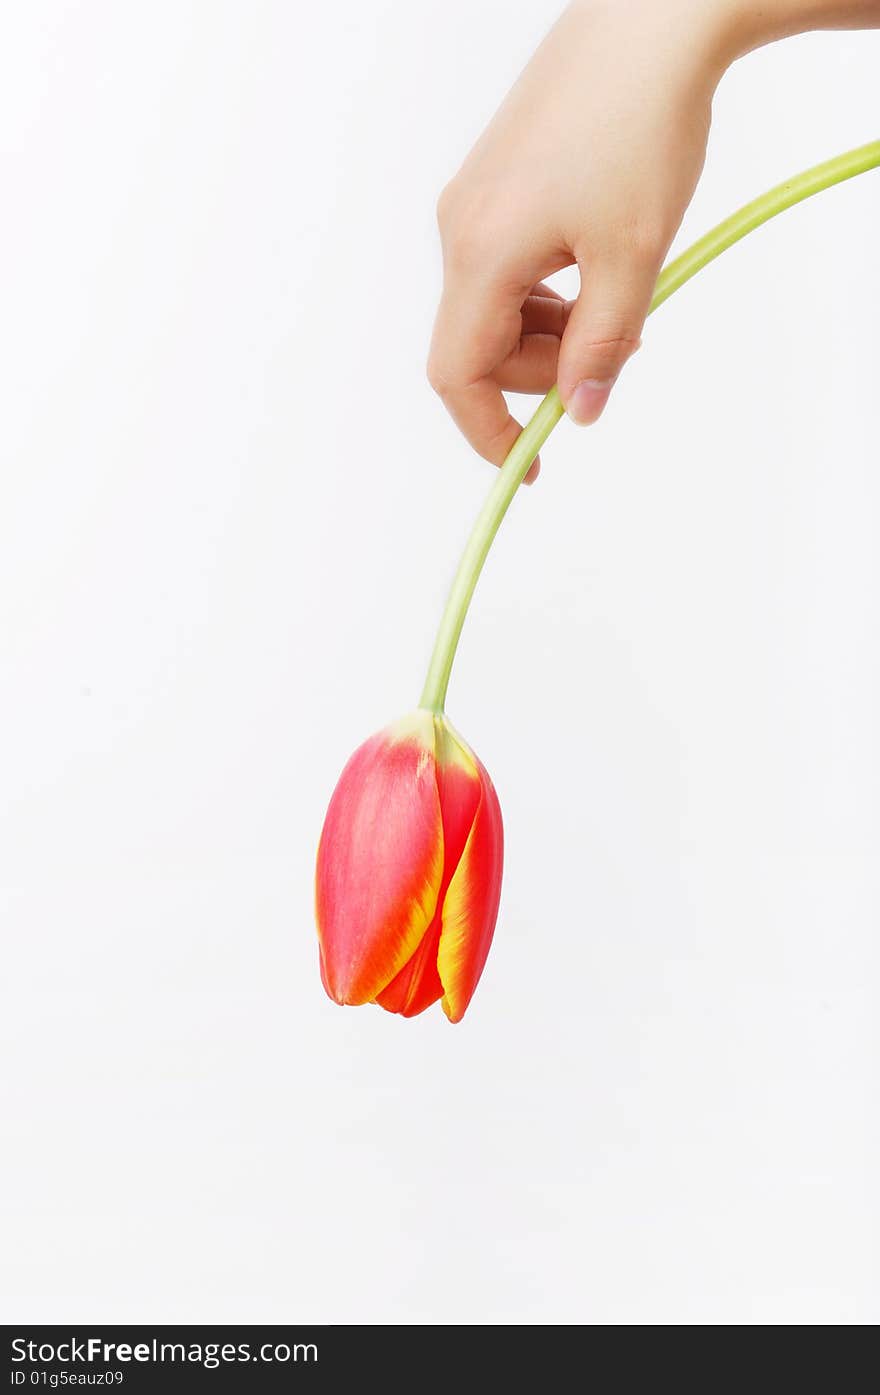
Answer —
(229, 509)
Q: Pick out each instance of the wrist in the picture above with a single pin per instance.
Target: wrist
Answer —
(745, 25)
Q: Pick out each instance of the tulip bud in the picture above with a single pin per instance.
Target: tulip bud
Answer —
(409, 871)
(409, 866)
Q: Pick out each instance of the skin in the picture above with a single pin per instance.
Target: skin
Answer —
(591, 160)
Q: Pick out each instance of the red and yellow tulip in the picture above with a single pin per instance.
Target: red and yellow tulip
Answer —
(409, 871)
(409, 866)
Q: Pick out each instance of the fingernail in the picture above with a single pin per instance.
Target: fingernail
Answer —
(588, 399)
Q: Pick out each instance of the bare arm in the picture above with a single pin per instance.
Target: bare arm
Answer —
(591, 159)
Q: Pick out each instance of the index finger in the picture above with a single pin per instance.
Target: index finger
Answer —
(478, 325)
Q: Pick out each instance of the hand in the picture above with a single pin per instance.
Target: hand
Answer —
(592, 158)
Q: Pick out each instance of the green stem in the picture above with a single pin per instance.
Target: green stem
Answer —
(535, 433)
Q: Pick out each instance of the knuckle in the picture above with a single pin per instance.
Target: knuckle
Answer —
(617, 338)
(437, 376)
(446, 204)
(468, 217)
(606, 354)
(624, 344)
(647, 241)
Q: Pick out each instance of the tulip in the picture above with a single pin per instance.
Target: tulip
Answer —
(409, 871)
(409, 865)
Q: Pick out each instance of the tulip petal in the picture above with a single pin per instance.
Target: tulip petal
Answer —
(418, 984)
(470, 907)
(458, 784)
(380, 861)
(323, 972)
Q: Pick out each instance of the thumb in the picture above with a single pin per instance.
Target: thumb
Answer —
(603, 330)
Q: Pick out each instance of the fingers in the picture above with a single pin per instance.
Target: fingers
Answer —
(543, 313)
(543, 291)
(481, 413)
(603, 330)
(491, 342)
(527, 342)
(532, 365)
(477, 327)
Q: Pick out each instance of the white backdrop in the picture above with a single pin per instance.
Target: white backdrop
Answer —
(230, 506)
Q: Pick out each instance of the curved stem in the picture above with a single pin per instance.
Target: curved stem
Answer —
(535, 433)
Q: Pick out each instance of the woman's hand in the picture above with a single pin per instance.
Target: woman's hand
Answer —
(592, 159)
